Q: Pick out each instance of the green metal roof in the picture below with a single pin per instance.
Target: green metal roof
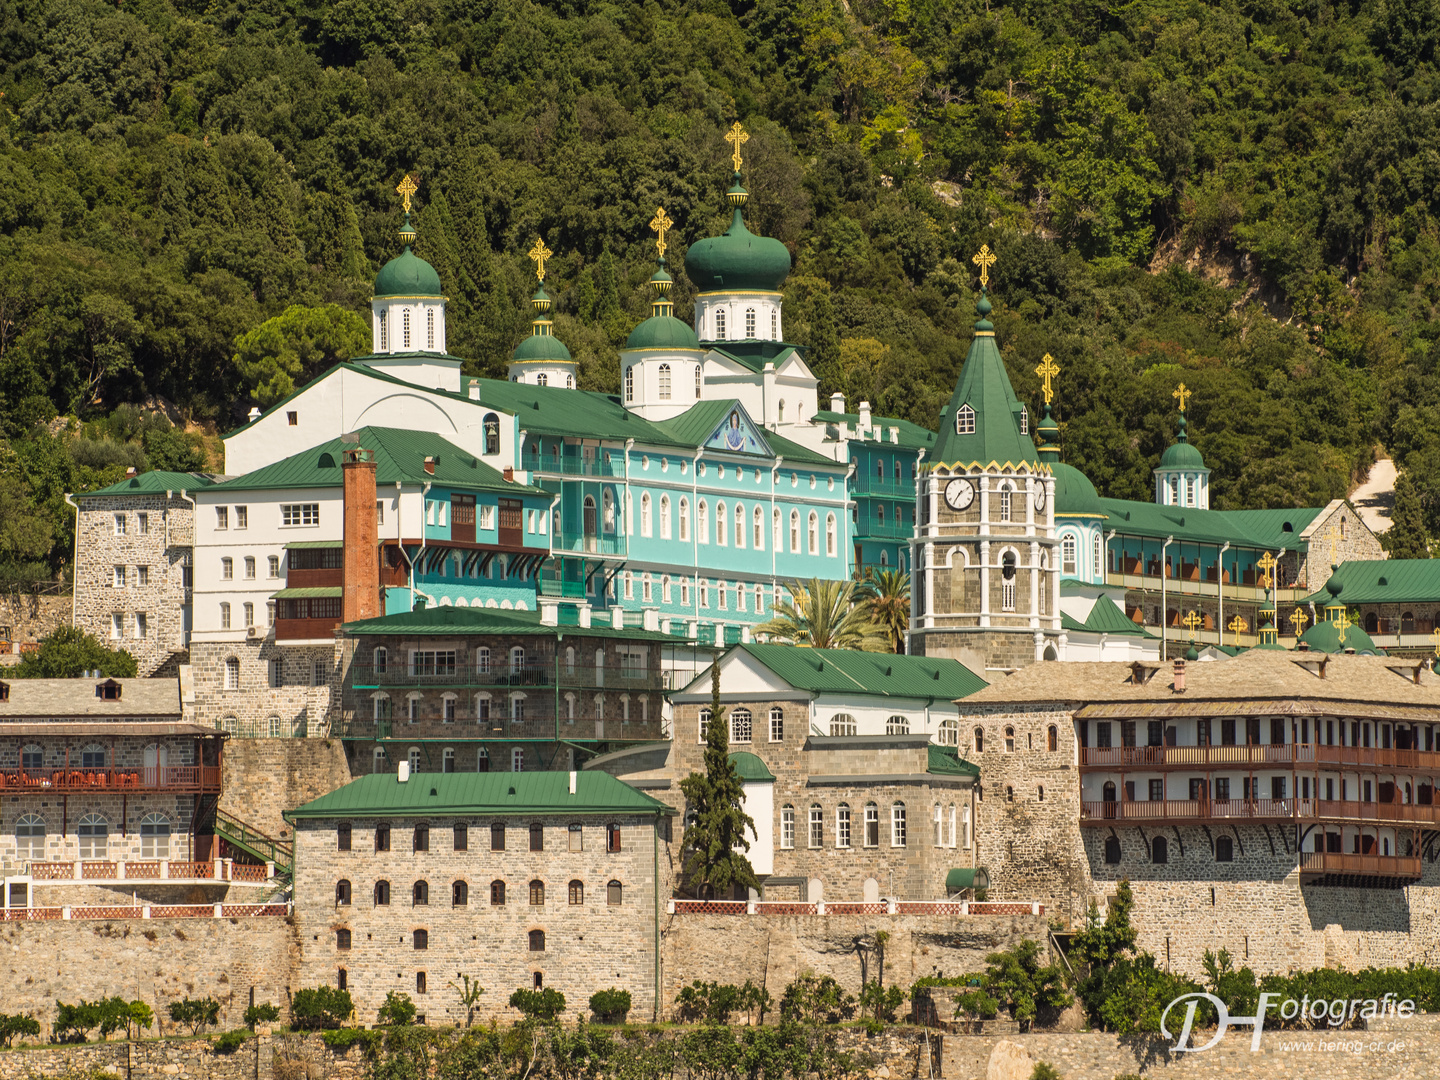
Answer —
(407, 275)
(737, 260)
(1387, 581)
(962, 878)
(443, 794)
(1325, 637)
(399, 456)
(848, 671)
(1275, 529)
(553, 410)
(1180, 454)
(946, 761)
(542, 347)
(698, 423)
(451, 621)
(748, 766)
(148, 483)
(1107, 618)
(754, 355)
(985, 387)
(662, 332)
(1260, 530)
(1075, 495)
(311, 592)
(313, 545)
(912, 436)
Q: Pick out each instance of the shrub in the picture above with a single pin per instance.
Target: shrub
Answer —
(538, 1004)
(195, 1013)
(1045, 1071)
(881, 1002)
(73, 1023)
(228, 1042)
(816, 999)
(610, 1006)
(398, 1010)
(320, 1009)
(343, 1038)
(261, 1014)
(12, 1026)
(714, 1002)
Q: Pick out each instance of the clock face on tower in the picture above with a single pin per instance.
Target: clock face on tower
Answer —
(959, 493)
(1040, 497)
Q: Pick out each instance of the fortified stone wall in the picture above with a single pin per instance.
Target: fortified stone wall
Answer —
(30, 618)
(263, 777)
(255, 706)
(155, 960)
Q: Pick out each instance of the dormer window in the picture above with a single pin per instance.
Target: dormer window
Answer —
(1024, 420)
(4, 691)
(965, 421)
(109, 690)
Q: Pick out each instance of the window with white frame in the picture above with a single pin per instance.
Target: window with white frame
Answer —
(381, 706)
(629, 384)
(951, 818)
(897, 825)
(965, 420)
(684, 519)
(777, 724)
(750, 322)
(664, 382)
(222, 517)
(142, 523)
(739, 525)
(1005, 502)
(645, 514)
(227, 569)
(787, 828)
(872, 825)
(155, 837)
(1007, 581)
(299, 513)
(830, 535)
(94, 835)
(224, 615)
(842, 724)
(117, 578)
(704, 724)
(119, 524)
(965, 823)
(794, 532)
(517, 760)
(664, 517)
(1067, 554)
(274, 566)
(142, 626)
(777, 536)
(742, 726)
(242, 517)
(1098, 558)
(813, 533)
(702, 523)
(684, 592)
(665, 588)
(842, 825)
(722, 526)
(719, 324)
(949, 734)
(897, 725)
(939, 825)
(817, 826)
(249, 609)
(645, 593)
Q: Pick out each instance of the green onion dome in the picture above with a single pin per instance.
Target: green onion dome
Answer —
(662, 330)
(407, 274)
(1182, 455)
(1075, 495)
(542, 344)
(739, 260)
(1325, 637)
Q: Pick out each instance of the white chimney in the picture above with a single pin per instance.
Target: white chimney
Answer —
(894, 434)
(402, 773)
(837, 402)
(252, 415)
(864, 424)
(572, 781)
(474, 389)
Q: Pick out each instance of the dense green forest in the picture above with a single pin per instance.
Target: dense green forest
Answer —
(1243, 195)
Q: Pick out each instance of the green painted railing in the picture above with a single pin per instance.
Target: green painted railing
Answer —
(253, 842)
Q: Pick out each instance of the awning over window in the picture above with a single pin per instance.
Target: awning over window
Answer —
(973, 878)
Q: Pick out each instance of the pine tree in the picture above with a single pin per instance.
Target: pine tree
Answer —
(716, 835)
(1407, 538)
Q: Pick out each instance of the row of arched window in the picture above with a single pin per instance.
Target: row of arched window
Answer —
(1069, 555)
(93, 834)
(663, 378)
(1007, 745)
(870, 827)
(742, 726)
(405, 343)
(730, 528)
(751, 327)
(460, 893)
(574, 834)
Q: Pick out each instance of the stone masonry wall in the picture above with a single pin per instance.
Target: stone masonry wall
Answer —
(256, 707)
(155, 960)
(31, 618)
(264, 777)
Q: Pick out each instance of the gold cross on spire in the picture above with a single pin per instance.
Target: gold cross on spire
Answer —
(1333, 535)
(1193, 621)
(407, 188)
(1343, 623)
(737, 137)
(538, 254)
(660, 225)
(1266, 563)
(1239, 626)
(1181, 394)
(1047, 370)
(984, 259)
(1298, 619)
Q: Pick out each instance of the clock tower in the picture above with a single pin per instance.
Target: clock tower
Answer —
(986, 583)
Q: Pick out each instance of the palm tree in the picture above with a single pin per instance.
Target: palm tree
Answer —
(824, 615)
(886, 600)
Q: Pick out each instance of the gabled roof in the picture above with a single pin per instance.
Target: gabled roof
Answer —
(553, 410)
(426, 794)
(1275, 529)
(912, 436)
(847, 671)
(448, 621)
(1262, 530)
(754, 355)
(1105, 618)
(1386, 581)
(149, 483)
(60, 699)
(399, 456)
(698, 423)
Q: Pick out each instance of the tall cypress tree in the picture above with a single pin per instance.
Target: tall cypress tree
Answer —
(716, 835)
(1407, 537)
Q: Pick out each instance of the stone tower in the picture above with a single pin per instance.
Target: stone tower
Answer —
(986, 586)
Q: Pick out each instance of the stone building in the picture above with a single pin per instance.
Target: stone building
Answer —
(133, 566)
(849, 769)
(103, 772)
(398, 873)
(1280, 804)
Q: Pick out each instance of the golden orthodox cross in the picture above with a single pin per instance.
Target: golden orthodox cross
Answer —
(1266, 563)
(1181, 394)
(1047, 370)
(984, 259)
(1238, 626)
(1342, 621)
(538, 254)
(1436, 636)
(736, 137)
(1298, 619)
(407, 188)
(660, 226)
(1333, 535)
(1193, 621)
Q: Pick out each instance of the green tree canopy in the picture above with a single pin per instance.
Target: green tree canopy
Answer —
(70, 652)
(294, 347)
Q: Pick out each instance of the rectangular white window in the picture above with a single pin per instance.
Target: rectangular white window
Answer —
(1067, 555)
(448, 713)
(724, 593)
(119, 524)
(720, 324)
(142, 626)
(872, 826)
(684, 592)
(842, 827)
(274, 566)
(250, 567)
(487, 517)
(939, 826)
(739, 597)
(242, 517)
(379, 511)
(117, 626)
(224, 615)
(142, 523)
(787, 828)
(817, 827)
(645, 592)
(269, 612)
(897, 825)
(142, 575)
(249, 614)
(629, 585)
(118, 580)
(299, 513)
(665, 590)
(227, 569)
(222, 517)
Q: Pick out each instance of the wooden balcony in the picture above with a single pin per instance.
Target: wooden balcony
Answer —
(1258, 755)
(1258, 810)
(204, 779)
(504, 676)
(1334, 868)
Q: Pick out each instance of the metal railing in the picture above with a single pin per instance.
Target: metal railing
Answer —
(1266, 754)
(1254, 809)
(146, 778)
(503, 675)
(572, 465)
(143, 911)
(255, 843)
(890, 489)
(567, 542)
(823, 907)
(147, 870)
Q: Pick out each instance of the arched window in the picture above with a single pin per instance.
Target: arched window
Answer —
(382, 893)
(1024, 420)
(537, 940)
(30, 837)
(1009, 740)
(629, 384)
(684, 531)
(664, 517)
(842, 724)
(1052, 738)
(384, 334)
(965, 420)
(739, 526)
(817, 826)
(1097, 559)
(607, 510)
(1112, 851)
(482, 760)
(1006, 491)
(381, 660)
(577, 893)
(979, 740)
(897, 725)
(155, 837)
(405, 329)
(697, 382)
(702, 523)
(421, 939)
(1224, 849)
(750, 322)
(1007, 581)
(722, 525)
(794, 532)
(420, 894)
(1067, 554)
(664, 382)
(420, 840)
(614, 893)
(1159, 850)
(719, 324)
(787, 827)
(497, 894)
(777, 536)
(830, 537)
(94, 834)
(897, 824)
(517, 760)
(491, 425)
(645, 514)
(517, 660)
(780, 414)
(813, 533)
(741, 726)
(232, 674)
(949, 734)
(430, 328)
(842, 825)
(537, 893)
(1407, 622)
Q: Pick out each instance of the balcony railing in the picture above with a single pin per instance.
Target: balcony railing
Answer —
(114, 870)
(1254, 810)
(571, 465)
(1405, 867)
(1177, 585)
(574, 590)
(568, 543)
(885, 530)
(538, 725)
(889, 489)
(1259, 754)
(505, 676)
(205, 778)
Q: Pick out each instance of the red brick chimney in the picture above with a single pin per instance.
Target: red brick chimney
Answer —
(361, 597)
(1179, 676)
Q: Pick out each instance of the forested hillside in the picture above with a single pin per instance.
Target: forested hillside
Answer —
(195, 196)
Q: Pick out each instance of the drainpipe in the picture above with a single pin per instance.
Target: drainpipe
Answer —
(695, 535)
(656, 914)
(74, 560)
(425, 490)
(194, 522)
(774, 547)
(1164, 611)
(1220, 587)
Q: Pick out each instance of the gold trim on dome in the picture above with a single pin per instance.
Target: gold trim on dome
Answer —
(984, 333)
(741, 292)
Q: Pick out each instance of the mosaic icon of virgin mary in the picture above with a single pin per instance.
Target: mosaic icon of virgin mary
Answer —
(734, 437)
